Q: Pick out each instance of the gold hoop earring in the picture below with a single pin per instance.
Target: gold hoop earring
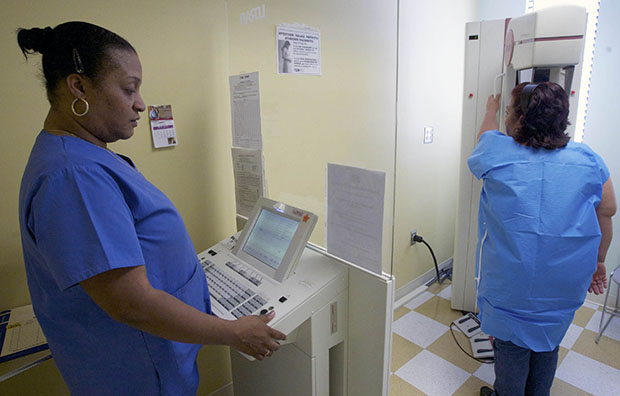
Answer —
(73, 107)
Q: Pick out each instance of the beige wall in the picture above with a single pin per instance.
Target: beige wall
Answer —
(184, 53)
(430, 91)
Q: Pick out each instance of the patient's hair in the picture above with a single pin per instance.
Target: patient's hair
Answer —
(545, 118)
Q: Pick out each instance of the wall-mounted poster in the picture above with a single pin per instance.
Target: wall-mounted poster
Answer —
(299, 49)
(162, 126)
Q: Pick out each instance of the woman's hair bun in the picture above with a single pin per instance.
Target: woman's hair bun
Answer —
(35, 40)
(71, 47)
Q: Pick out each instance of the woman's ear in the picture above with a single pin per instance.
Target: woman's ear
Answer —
(75, 84)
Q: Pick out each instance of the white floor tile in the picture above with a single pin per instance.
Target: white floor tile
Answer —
(612, 331)
(432, 374)
(486, 372)
(590, 375)
(419, 300)
(436, 376)
(419, 329)
(590, 305)
(446, 293)
(571, 336)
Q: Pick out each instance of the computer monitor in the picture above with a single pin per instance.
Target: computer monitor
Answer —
(274, 237)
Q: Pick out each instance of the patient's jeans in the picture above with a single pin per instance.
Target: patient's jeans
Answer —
(521, 371)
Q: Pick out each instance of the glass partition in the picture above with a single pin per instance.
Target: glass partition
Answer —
(345, 115)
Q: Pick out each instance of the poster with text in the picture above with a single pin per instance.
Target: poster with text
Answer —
(299, 50)
(245, 111)
(249, 173)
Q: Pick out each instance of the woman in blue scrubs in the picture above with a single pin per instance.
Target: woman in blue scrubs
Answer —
(544, 230)
(113, 275)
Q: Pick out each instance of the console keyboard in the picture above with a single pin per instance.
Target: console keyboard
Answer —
(245, 272)
(238, 299)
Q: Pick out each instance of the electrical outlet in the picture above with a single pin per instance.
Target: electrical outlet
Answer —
(413, 234)
(428, 135)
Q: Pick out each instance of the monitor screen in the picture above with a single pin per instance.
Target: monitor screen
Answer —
(274, 237)
(270, 238)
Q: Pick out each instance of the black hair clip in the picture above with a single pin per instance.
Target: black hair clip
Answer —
(77, 62)
(525, 96)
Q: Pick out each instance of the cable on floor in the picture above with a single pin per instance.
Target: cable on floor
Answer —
(485, 361)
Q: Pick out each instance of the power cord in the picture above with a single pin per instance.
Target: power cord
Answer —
(447, 274)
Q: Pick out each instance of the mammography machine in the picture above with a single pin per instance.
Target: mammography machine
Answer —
(546, 45)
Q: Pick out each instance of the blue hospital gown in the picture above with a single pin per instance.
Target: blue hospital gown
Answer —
(84, 211)
(538, 237)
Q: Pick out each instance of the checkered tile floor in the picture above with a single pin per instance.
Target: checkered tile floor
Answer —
(426, 360)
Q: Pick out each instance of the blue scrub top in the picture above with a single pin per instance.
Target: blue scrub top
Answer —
(538, 237)
(85, 210)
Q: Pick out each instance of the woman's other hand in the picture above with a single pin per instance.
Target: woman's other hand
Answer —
(599, 279)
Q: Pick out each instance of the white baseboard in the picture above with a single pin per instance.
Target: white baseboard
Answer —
(418, 285)
(226, 390)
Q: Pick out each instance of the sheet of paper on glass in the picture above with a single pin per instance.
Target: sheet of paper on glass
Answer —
(249, 175)
(245, 111)
(354, 221)
(299, 49)
(162, 126)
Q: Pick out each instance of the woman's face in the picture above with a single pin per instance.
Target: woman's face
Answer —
(115, 101)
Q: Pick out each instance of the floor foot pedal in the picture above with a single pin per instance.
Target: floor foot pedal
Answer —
(468, 324)
(481, 346)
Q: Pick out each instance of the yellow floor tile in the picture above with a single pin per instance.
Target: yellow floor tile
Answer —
(583, 316)
(439, 309)
(561, 388)
(400, 387)
(561, 355)
(436, 288)
(471, 387)
(403, 351)
(400, 312)
(446, 348)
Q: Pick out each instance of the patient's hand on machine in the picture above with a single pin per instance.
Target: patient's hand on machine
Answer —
(489, 123)
(253, 337)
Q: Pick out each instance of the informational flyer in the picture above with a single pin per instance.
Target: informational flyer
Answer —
(245, 111)
(354, 223)
(162, 126)
(299, 50)
(249, 175)
(20, 334)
